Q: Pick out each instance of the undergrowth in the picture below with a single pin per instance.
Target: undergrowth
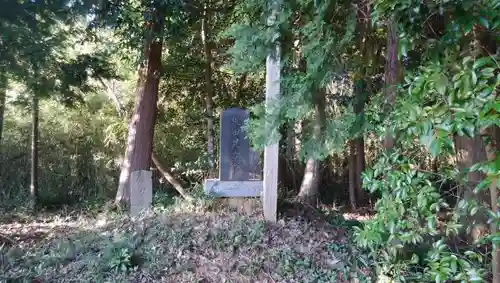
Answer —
(178, 241)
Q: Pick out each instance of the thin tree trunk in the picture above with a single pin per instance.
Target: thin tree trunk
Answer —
(112, 96)
(209, 90)
(170, 178)
(361, 194)
(358, 143)
(352, 174)
(141, 127)
(290, 141)
(241, 84)
(3, 101)
(34, 153)
(3, 96)
(299, 131)
(391, 74)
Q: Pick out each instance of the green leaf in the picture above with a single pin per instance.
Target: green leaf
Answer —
(466, 60)
(441, 83)
(454, 266)
(484, 22)
(403, 50)
(468, 26)
(487, 72)
(483, 185)
(486, 91)
(414, 258)
(469, 129)
(474, 78)
(446, 127)
(435, 147)
(473, 211)
(431, 223)
(481, 62)
(495, 24)
(426, 139)
(476, 167)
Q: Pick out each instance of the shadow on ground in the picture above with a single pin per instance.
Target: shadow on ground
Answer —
(179, 246)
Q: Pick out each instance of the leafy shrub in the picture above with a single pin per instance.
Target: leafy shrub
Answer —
(119, 256)
(408, 236)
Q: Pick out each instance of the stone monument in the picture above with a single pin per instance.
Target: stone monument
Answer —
(141, 191)
(238, 163)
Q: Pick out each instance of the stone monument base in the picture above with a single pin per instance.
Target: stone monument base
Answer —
(218, 188)
(247, 206)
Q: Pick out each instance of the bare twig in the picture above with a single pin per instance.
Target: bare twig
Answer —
(5, 238)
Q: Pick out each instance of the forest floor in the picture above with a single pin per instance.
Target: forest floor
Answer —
(186, 243)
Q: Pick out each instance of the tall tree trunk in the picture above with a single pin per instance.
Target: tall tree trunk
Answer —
(361, 194)
(485, 45)
(141, 127)
(308, 192)
(34, 153)
(3, 96)
(290, 140)
(359, 142)
(3, 101)
(357, 152)
(492, 149)
(391, 74)
(209, 89)
(352, 174)
(163, 170)
(470, 151)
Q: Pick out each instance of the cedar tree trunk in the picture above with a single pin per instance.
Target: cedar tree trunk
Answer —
(308, 192)
(141, 127)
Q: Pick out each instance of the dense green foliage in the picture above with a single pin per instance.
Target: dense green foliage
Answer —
(335, 90)
(448, 90)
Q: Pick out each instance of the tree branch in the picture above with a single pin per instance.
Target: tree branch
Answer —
(170, 178)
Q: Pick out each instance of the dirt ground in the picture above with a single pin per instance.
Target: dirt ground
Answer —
(182, 245)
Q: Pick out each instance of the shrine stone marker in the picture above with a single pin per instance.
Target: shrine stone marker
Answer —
(141, 191)
(234, 146)
(237, 162)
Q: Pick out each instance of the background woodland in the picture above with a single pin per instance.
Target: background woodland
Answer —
(390, 105)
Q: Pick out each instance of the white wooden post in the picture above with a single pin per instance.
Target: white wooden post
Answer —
(270, 197)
